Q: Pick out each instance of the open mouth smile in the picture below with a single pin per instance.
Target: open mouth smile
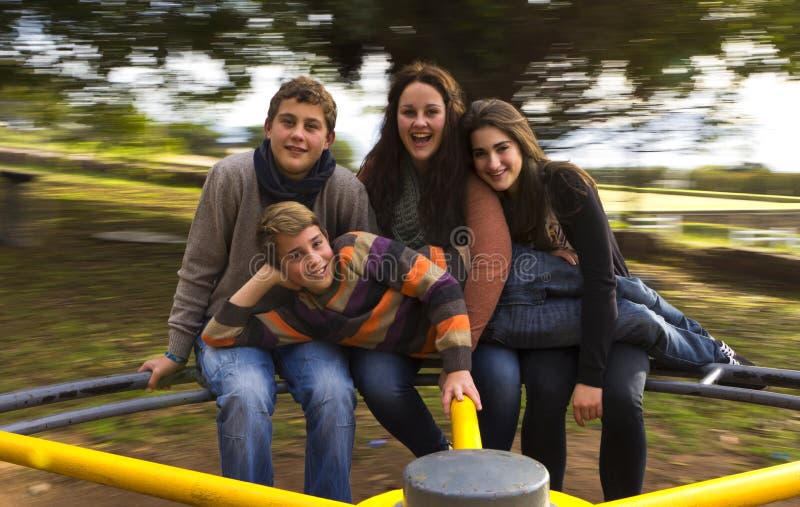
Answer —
(421, 139)
(318, 273)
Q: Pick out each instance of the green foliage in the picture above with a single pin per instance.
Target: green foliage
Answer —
(628, 176)
(542, 50)
(195, 139)
(255, 135)
(748, 180)
(343, 152)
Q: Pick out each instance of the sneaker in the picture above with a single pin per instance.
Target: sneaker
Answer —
(737, 359)
(731, 355)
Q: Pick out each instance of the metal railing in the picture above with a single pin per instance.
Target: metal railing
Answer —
(711, 377)
(749, 488)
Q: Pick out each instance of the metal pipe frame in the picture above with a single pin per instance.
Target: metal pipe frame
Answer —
(777, 400)
(45, 395)
(68, 418)
(154, 479)
(752, 488)
(706, 387)
(186, 486)
(757, 487)
(740, 375)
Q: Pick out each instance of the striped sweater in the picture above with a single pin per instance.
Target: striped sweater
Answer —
(384, 296)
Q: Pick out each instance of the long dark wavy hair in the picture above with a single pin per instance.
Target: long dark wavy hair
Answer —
(443, 182)
(528, 209)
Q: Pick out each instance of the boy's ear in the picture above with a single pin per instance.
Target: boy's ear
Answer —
(267, 127)
(329, 140)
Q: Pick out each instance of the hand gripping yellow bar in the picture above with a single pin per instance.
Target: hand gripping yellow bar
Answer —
(464, 420)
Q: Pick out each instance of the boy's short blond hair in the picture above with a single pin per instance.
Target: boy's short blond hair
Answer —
(305, 91)
(289, 218)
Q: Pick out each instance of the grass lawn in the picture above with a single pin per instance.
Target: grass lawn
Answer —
(74, 307)
(660, 201)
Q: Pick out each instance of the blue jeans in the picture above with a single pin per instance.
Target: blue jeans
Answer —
(541, 308)
(549, 378)
(243, 380)
(636, 291)
(386, 382)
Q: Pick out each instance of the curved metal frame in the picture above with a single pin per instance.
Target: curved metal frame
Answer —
(709, 386)
(761, 486)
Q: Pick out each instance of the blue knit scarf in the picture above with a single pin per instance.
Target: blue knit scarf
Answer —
(279, 188)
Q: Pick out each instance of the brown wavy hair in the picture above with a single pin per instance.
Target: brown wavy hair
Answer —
(528, 211)
(443, 183)
(305, 91)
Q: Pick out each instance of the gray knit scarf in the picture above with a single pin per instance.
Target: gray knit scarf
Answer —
(406, 226)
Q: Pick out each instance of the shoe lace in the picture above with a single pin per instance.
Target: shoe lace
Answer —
(728, 352)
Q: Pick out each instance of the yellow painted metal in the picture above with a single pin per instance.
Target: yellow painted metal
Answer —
(391, 498)
(464, 421)
(558, 499)
(757, 487)
(394, 498)
(163, 481)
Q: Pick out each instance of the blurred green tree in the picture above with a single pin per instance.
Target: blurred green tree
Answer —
(553, 52)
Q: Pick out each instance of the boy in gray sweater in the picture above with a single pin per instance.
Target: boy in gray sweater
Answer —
(222, 253)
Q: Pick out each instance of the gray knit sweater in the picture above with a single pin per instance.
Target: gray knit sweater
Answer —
(222, 250)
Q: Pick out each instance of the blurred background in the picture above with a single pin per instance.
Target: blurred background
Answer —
(681, 94)
(112, 111)
(630, 83)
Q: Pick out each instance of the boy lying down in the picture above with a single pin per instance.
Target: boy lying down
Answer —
(362, 291)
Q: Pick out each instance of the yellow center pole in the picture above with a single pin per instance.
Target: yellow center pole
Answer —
(464, 420)
(163, 481)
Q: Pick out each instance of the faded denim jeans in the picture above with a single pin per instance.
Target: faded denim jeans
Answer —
(540, 308)
(243, 380)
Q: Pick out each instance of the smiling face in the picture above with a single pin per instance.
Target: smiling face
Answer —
(298, 135)
(420, 122)
(306, 259)
(497, 158)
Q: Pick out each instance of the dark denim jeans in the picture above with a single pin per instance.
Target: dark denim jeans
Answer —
(533, 340)
(386, 382)
(243, 380)
(541, 307)
(549, 378)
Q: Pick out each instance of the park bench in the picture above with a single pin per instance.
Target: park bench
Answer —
(671, 224)
(770, 237)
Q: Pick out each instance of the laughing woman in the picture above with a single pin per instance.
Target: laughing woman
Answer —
(419, 183)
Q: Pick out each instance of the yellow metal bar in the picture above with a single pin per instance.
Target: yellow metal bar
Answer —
(391, 498)
(163, 481)
(464, 420)
(757, 487)
(558, 499)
